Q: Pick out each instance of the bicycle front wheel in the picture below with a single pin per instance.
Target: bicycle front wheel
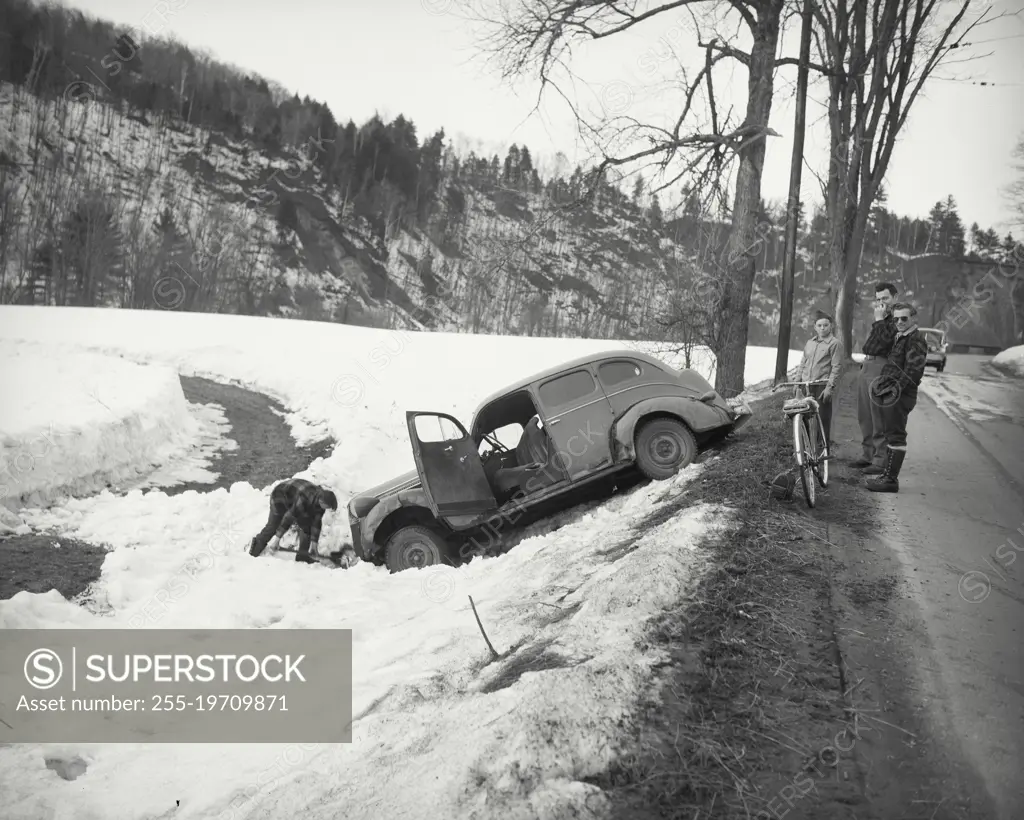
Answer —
(804, 453)
(819, 447)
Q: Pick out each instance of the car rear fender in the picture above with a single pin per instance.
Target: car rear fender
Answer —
(695, 414)
(413, 499)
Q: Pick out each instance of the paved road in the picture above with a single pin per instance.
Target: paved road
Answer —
(957, 526)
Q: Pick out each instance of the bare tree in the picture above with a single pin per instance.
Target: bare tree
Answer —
(533, 37)
(876, 57)
(690, 325)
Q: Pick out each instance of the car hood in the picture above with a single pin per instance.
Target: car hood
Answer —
(404, 481)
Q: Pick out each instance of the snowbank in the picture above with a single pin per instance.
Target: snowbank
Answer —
(450, 735)
(1011, 360)
(71, 422)
(446, 737)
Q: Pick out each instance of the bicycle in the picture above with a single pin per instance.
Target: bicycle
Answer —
(809, 447)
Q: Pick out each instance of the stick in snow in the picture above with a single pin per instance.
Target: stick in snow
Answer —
(494, 654)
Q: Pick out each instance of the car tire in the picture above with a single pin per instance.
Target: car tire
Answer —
(663, 448)
(414, 547)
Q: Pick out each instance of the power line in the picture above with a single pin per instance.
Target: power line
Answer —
(977, 82)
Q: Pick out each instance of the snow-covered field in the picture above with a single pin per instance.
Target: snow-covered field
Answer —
(436, 745)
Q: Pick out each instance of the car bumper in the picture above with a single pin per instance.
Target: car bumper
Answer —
(355, 526)
(742, 414)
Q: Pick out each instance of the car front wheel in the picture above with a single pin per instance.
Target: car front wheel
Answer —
(663, 448)
(414, 547)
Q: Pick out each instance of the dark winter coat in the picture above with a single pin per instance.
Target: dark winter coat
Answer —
(880, 339)
(300, 501)
(903, 371)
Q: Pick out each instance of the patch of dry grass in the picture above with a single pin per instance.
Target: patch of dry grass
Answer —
(750, 687)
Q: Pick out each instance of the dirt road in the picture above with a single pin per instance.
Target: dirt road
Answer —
(957, 529)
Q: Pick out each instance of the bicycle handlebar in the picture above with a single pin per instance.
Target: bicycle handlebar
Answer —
(799, 384)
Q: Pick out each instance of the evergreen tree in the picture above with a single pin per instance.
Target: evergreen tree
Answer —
(976, 239)
(430, 174)
(991, 242)
(526, 169)
(511, 175)
(656, 217)
(946, 229)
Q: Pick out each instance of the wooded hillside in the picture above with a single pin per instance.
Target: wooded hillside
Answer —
(136, 173)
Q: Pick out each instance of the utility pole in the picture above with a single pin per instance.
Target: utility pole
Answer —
(796, 165)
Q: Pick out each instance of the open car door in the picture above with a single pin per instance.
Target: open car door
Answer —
(449, 466)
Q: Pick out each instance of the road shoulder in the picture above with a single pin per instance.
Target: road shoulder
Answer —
(790, 687)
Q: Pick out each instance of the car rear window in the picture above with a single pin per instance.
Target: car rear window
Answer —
(613, 373)
(568, 388)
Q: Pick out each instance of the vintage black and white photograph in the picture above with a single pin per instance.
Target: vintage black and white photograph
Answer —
(606, 409)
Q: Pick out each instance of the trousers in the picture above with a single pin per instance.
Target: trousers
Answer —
(869, 412)
(824, 410)
(277, 511)
(894, 419)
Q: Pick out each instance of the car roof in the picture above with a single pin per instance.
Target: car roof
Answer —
(931, 330)
(590, 358)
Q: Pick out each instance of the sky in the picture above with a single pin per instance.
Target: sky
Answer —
(422, 58)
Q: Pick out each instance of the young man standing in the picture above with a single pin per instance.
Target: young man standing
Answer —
(297, 502)
(822, 359)
(876, 351)
(895, 392)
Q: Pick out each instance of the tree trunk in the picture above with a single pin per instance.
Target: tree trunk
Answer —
(743, 244)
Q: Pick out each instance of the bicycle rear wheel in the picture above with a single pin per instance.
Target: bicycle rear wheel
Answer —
(802, 449)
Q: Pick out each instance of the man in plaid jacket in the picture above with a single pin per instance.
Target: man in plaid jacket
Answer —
(295, 502)
(895, 393)
(876, 351)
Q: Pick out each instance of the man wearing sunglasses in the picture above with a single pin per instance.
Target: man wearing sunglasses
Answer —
(895, 393)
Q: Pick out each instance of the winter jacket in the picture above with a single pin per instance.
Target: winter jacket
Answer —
(822, 359)
(300, 499)
(904, 370)
(881, 337)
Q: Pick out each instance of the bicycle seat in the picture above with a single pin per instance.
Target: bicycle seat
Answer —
(803, 405)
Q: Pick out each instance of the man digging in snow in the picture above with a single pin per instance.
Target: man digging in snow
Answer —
(302, 503)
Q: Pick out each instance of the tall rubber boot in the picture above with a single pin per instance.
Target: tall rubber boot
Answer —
(888, 481)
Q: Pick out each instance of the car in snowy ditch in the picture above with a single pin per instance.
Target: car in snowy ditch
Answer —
(531, 449)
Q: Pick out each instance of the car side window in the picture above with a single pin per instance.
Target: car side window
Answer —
(613, 373)
(566, 389)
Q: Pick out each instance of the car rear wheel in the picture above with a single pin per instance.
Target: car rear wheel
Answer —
(663, 448)
(414, 547)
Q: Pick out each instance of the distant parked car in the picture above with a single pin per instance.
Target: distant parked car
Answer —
(937, 346)
(529, 450)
